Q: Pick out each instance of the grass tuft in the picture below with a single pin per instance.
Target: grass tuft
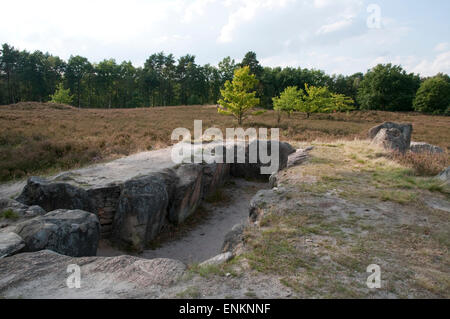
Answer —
(9, 214)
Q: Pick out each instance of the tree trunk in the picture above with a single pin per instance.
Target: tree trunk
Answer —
(78, 89)
(10, 93)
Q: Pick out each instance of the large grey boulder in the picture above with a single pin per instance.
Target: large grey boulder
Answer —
(391, 139)
(44, 274)
(405, 130)
(187, 194)
(251, 169)
(142, 210)
(420, 147)
(51, 196)
(445, 175)
(69, 232)
(10, 244)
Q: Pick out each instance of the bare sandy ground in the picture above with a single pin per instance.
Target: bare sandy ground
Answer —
(205, 239)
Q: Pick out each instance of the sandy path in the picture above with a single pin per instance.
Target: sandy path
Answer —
(205, 239)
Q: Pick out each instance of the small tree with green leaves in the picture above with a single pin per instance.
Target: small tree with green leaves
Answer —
(239, 96)
(341, 103)
(289, 101)
(321, 100)
(61, 95)
(316, 100)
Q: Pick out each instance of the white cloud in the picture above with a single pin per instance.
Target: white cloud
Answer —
(324, 34)
(195, 9)
(412, 63)
(333, 27)
(245, 12)
(443, 46)
(322, 3)
(441, 63)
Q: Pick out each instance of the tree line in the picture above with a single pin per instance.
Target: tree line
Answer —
(164, 80)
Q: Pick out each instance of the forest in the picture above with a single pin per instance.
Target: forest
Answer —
(164, 80)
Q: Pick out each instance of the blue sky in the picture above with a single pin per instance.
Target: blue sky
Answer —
(332, 35)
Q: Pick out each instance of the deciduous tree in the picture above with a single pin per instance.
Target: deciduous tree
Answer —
(433, 95)
(239, 97)
(290, 100)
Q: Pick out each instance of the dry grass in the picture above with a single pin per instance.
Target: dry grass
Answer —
(351, 205)
(424, 164)
(42, 138)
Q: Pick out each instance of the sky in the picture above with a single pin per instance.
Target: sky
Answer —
(337, 36)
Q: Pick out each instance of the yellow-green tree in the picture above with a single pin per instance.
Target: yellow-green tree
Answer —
(321, 100)
(342, 103)
(239, 96)
(316, 100)
(61, 95)
(289, 101)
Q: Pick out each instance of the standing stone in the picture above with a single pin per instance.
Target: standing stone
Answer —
(188, 193)
(141, 211)
(405, 130)
(391, 139)
(69, 232)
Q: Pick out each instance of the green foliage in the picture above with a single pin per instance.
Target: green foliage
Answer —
(226, 68)
(289, 101)
(251, 61)
(239, 97)
(61, 95)
(317, 100)
(388, 88)
(342, 103)
(9, 214)
(165, 80)
(313, 100)
(77, 67)
(433, 96)
(26, 76)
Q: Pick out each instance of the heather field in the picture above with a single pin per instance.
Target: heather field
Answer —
(38, 138)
